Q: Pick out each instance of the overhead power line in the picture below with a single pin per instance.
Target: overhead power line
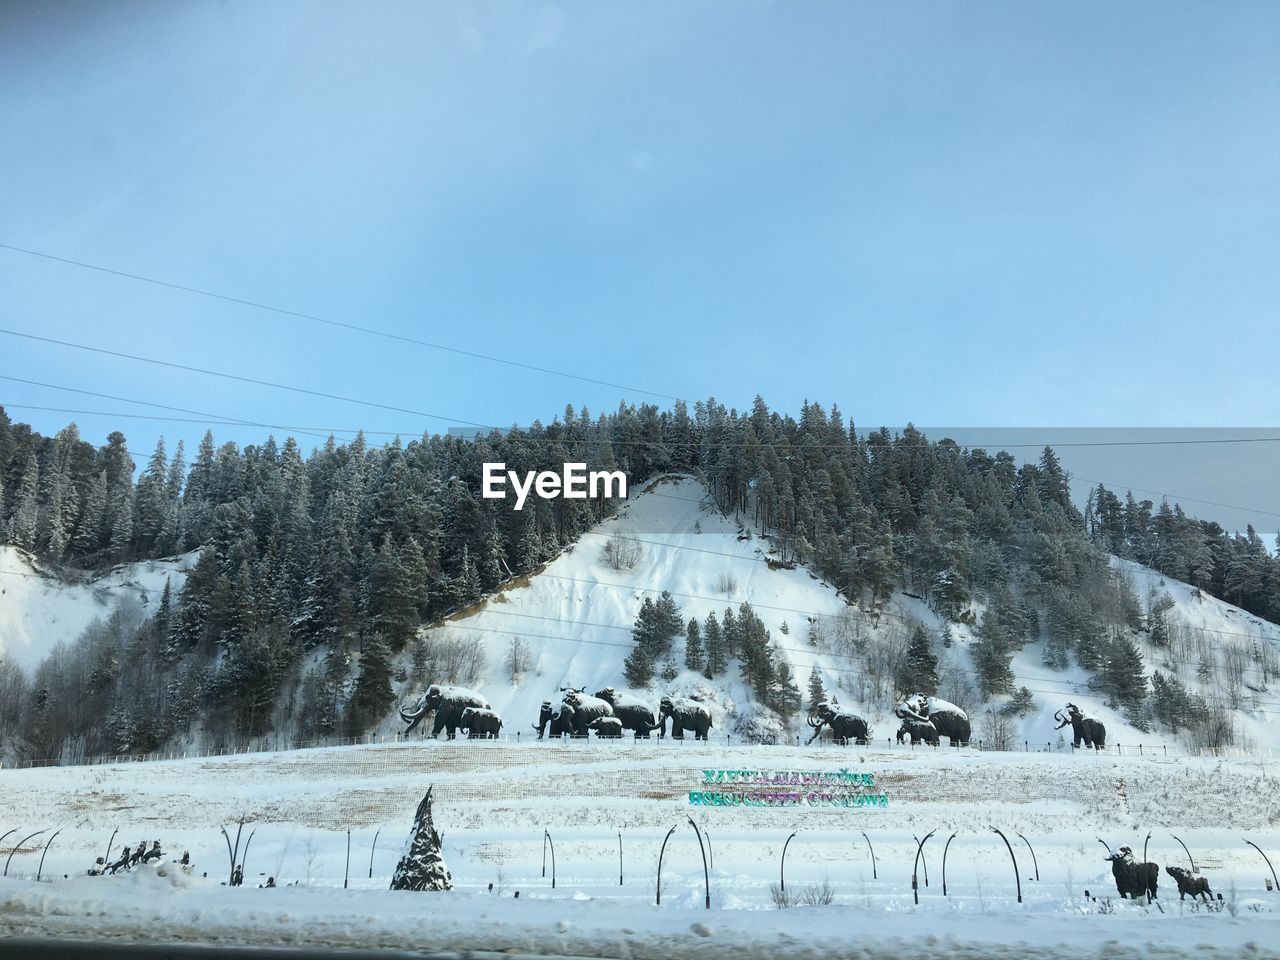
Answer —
(328, 321)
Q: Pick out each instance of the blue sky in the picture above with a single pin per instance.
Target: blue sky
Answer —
(995, 214)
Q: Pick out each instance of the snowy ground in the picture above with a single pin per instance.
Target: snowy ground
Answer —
(494, 800)
(39, 610)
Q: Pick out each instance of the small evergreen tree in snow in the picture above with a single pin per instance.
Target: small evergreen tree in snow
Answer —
(920, 671)
(422, 865)
(817, 692)
(638, 667)
(694, 656)
(713, 639)
(1020, 704)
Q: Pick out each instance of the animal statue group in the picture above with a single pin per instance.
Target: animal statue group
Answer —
(918, 732)
(1087, 731)
(575, 715)
(845, 725)
(1134, 880)
(684, 714)
(947, 719)
(448, 703)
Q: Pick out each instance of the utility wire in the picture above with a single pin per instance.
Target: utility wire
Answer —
(296, 314)
(240, 379)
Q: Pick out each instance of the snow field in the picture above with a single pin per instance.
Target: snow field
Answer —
(494, 801)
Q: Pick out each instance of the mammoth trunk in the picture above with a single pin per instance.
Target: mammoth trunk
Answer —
(421, 865)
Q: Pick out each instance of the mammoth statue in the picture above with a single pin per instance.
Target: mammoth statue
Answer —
(918, 732)
(606, 728)
(635, 714)
(846, 726)
(1088, 731)
(556, 720)
(685, 715)
(448, 703)
(586, 708)
(480, 723)
(948, 719)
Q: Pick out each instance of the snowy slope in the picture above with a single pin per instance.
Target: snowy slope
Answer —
(576, 614)
(40, 609)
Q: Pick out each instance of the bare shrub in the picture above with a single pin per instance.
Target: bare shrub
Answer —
(727, 584)
(996, 731)
(781, 898)
(621, 553)
(818, 894)
(517, 659)
(448, 659)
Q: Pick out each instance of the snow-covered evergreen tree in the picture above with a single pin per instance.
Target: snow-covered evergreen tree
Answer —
(422, 865)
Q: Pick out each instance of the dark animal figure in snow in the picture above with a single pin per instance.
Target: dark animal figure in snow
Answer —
(685, 715)
(845, 725)
(586, 709)
(918, 732)
(1087, 730)
(122, 862)
(448, 702)
(1189, 882)
(1133, 879)
(479, 723)
(607, 728)
(634, 713)
(948, 719)
(152, 854)
(557, 720)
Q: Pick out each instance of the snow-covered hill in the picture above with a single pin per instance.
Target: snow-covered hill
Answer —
(40, 608)
(575, 618)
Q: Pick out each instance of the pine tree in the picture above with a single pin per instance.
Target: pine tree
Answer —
(1122, 675)
(26, 507)
(713, 639)
(422, 865)
(817, 692)
(920, 671)
(120, 546)
(1021, 704)
(638, 667)
(694, 655)
(372, 694)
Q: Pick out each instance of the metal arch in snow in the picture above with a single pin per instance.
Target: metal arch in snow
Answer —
(706, 876)
(1033, 855)
(1264, 857)
(1017, 879)
(48, 843)
(873, 854)
(245, 857)
(1105, 844)
(6, 833)
(1144, 846)
(107, 858)
(915, 886)
(782, 867)
(661, 852)
(346, 871)
(546, 839)
(1188, 853)
(710, 852)
(372, 851)
(17, 845)
(944, 863)
(619, 858)
(923, 859)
